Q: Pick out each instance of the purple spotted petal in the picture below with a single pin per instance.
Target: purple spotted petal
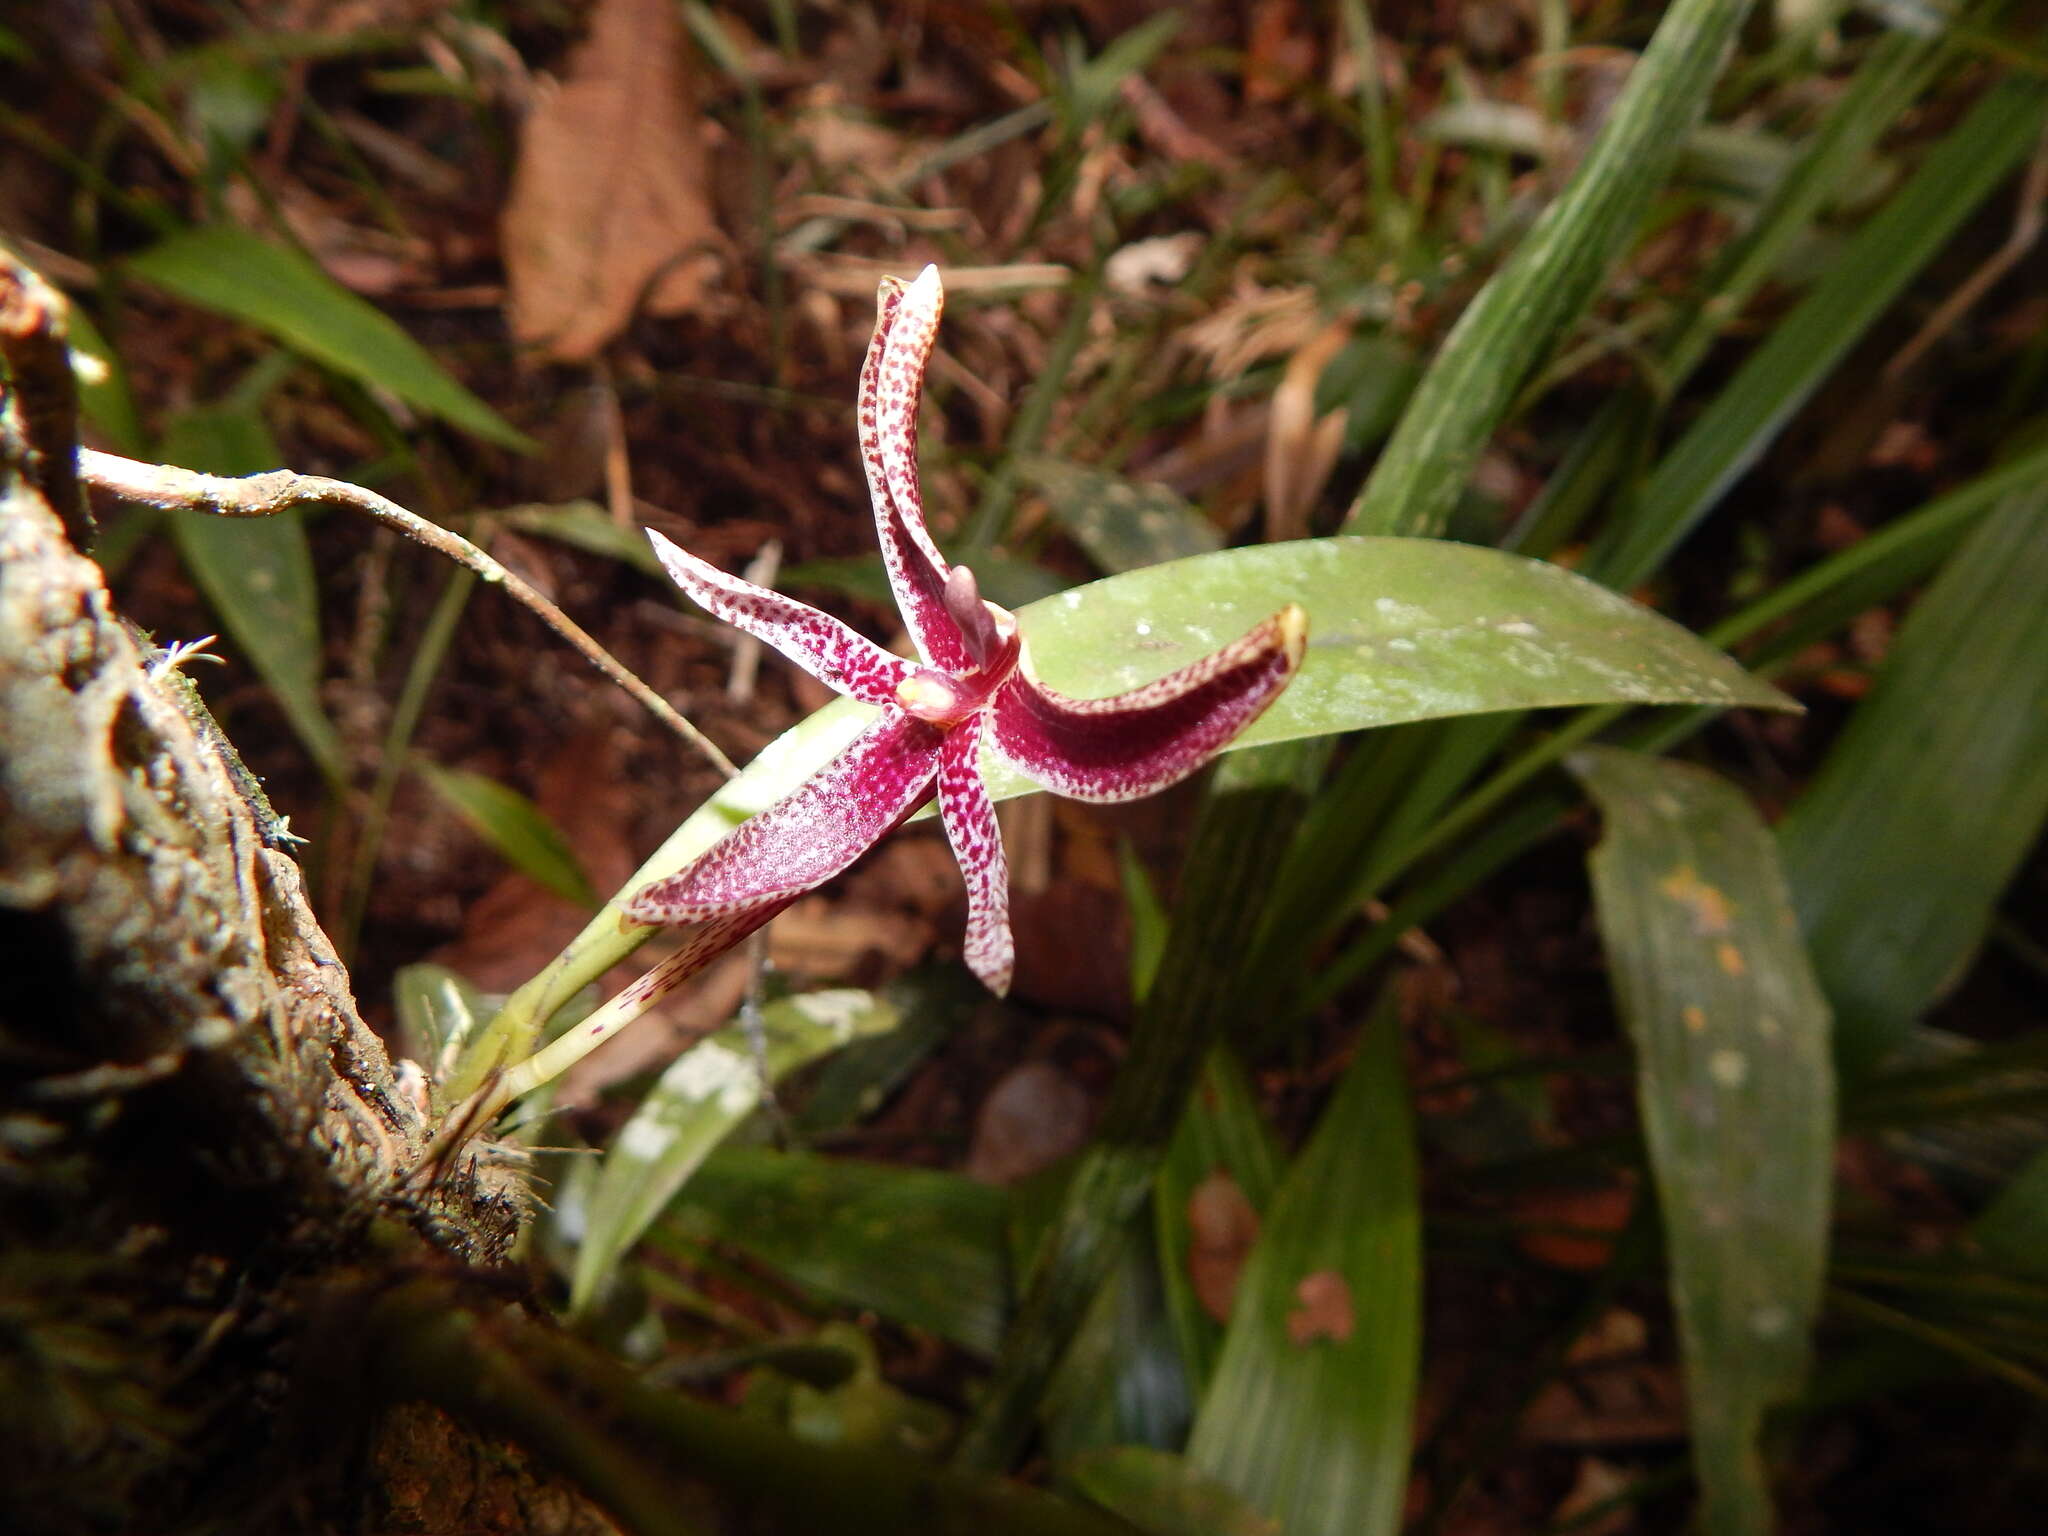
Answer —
(891, 386)
(970, 818)
(803, 840)
(815, 641)
(1142, 741)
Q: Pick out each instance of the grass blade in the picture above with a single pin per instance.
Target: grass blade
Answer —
(1523, 310)
(704, 1094)
(1805, 347)
(1309, 1416)
(1736, 1091)
(236, 273)
(1899, 849)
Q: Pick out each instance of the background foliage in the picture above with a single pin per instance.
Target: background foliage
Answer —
(1528, 1120)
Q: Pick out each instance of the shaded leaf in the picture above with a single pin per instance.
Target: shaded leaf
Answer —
(103, 394)
(1899, 849)
(1120, 1380)
(256, 572)
(235, 273)
(1217, 1177)
(512, 824)
(922, 1248)
(1161, 1494)
(608, 210)
(1736, 1089)
(1124, 525)
(709, 1090)
(1315, 1430)
(2013, 1228)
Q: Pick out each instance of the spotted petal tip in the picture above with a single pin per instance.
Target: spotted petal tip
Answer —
(1140, 742)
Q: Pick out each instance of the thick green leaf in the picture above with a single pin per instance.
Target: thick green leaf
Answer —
(1121, 1380)
(1399, 629)
(1309, 1414)
(704, 1094)
(1899, 849)
(515, 826)
(1162, 1495)
(257, 572)
(1736, 1087)
(236, 273)
(919, 1247)
(1123, 524)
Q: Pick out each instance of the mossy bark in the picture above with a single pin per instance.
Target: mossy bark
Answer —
(207, 1161)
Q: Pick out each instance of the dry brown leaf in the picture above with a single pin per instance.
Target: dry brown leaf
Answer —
(1323, 1309)
(1302, 447)
(1033, 1117)
(1627, 1402)
(1222, 1227)
(1571, 1228)
(608, 209)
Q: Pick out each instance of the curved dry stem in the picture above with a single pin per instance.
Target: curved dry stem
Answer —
(182, 490)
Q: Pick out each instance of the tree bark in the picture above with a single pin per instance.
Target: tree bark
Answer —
(207, 1160)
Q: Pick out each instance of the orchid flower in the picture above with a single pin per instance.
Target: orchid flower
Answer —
(971, 688)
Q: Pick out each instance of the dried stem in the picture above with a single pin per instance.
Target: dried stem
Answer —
(182, 490)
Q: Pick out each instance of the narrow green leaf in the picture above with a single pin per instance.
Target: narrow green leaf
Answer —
(1160, 1494)
(919, 1247)
(236, 273)
(1309, 1415)
(1148, 919)
(1807, 345)
(1120, 1381)
(1899, 849)
(704, 1094)
(1520, 314)
(1122, 524)
(512, 824)
(257, 572)
(1220, 1137)
(1736, 1089)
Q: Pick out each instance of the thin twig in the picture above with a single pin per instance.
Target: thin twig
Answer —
(181, 490)
(2027, 224)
